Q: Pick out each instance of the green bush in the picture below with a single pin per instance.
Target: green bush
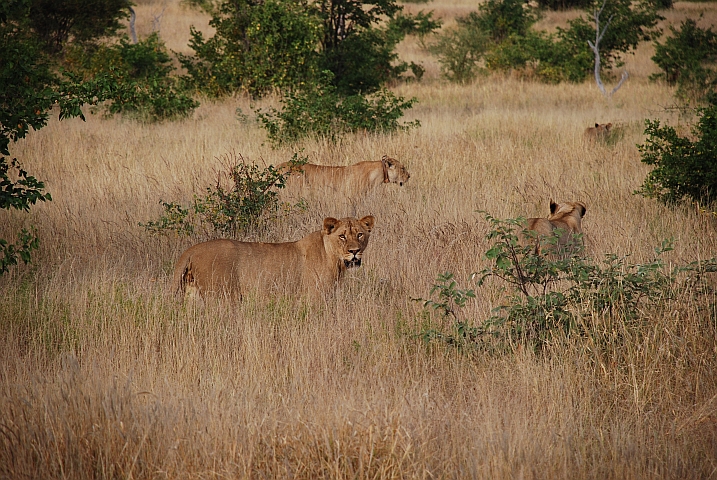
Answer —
(687, 59)
(320, 111)
(683, 168)
(56, 22)
(564, 55)
(549, 296)
(141, 74)
(258, 46)
(460, 50)
(243, 197)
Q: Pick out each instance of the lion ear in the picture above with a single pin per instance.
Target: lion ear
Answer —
(608, 126)
(387, 160)
(583, 209)
(597, 125)
(367, 222)
(553, 206)
(330, 224)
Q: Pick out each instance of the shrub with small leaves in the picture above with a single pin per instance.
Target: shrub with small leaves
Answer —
(549, 295)
(243, 197)
(320, 111)
(683, 167)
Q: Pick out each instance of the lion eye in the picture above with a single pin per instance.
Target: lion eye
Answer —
(360, 236)
(342, 237)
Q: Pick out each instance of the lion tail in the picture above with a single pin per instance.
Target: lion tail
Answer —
(182, 275)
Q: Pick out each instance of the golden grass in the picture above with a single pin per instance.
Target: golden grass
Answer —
(105, 375)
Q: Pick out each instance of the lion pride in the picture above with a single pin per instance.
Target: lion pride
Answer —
(356, 179)
(314, 264)
(565, 216)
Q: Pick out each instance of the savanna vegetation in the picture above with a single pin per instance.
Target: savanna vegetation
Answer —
(454, 351)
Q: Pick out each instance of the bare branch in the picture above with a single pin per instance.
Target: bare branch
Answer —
(132, 18)
(622, 80)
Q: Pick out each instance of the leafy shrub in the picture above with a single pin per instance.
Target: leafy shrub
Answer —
(58, 21)
(319, 110)
(257, 46)
(563, 4)
(564, 55)
(141, 77)
(460, 50)
(549, 296)
(241, 199)
(275, 44)
(683, 167)
(684, 60)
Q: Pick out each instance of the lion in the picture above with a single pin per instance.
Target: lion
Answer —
(359, 178)
(567, 217)
(314, 264)
(599, 132)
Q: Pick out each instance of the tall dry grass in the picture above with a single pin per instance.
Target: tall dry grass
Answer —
(105, 375)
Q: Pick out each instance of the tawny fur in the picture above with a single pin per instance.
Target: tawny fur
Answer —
(314, 264)
(354, 179)
(566, 216)
(599, 132)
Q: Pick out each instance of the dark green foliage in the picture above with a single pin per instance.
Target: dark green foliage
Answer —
(687, 59)
(29, 87)
(548, 296)
(630, 23)
(141, 75)
(563, 4)
(242, 197)
(284, 44)
(502, 18)
(58, 21)
(683, 168)
(564, 55)
(9, 253)
(460, 51)
(320, 111)
(257, 46)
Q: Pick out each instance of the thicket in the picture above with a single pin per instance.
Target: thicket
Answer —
(319, 110)
(242, 199)
(142, 73)
(499, 37)
(684, 167)
(552, 297)
(687, 59)
(261, 46)
(329, 60)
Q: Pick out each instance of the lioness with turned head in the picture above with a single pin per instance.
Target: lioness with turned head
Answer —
(355, 179)
(315, 263)
(565, 216)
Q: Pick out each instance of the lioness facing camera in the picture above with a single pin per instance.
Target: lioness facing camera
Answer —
(566, 216)
(315, 263)
(356, 179)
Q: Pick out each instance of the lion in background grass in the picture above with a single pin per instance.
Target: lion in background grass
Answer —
(599, 132)
(356, 179)
(566, 217)
(314, 264)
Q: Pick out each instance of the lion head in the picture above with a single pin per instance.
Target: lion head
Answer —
(347, 238)
(394, 171)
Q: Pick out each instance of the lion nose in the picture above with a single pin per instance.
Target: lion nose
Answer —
(354, 251)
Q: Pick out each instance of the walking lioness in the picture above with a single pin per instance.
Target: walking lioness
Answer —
(356, 179)
(566, 216)
(315, 263)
